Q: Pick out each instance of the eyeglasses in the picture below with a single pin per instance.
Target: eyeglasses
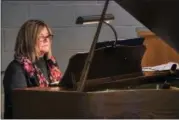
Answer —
(43, 38)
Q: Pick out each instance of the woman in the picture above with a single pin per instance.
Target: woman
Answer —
(33, 64)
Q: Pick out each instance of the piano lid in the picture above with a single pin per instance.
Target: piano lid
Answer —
(160, 16)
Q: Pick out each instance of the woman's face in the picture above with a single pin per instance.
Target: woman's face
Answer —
(44, 41)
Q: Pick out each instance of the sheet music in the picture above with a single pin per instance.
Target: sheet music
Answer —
(161, 67)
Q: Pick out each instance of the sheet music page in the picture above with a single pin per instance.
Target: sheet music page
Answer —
(162, 67)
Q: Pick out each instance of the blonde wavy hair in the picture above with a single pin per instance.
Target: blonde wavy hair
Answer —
(26, 41)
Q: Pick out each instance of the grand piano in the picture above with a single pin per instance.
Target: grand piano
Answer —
(116, 86)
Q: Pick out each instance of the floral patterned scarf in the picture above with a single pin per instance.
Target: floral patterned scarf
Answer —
(33, 71)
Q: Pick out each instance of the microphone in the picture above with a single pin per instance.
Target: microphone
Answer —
(167, 85)
(173, 68)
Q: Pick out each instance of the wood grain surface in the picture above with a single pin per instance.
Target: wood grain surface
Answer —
(124, 104)
(157, 51)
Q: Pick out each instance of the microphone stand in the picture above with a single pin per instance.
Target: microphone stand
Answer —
(88, 61)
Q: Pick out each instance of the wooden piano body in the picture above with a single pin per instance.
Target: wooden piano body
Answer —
(52, 103)
(107, 95)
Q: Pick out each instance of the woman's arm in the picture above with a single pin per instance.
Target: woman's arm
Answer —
(14, 78)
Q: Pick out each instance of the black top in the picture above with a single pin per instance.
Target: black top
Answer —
(15, 77)
(41, 63)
